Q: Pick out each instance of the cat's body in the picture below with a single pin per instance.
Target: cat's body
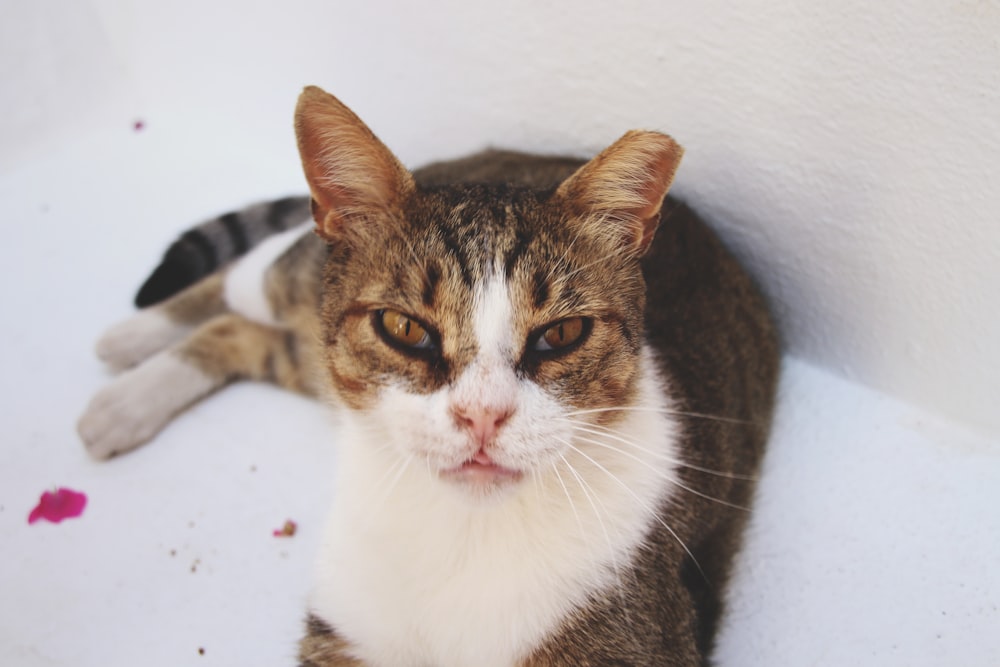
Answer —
(551, 418)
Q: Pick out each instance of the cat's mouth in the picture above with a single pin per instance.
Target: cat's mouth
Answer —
(482, 470)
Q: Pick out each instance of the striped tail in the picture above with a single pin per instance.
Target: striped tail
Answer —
(216, 242)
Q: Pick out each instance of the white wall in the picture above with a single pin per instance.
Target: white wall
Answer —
(849, 151)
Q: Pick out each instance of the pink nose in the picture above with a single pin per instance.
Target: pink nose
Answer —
(481, 423)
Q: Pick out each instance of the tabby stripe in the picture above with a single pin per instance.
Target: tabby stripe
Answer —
(521, 243)
(203, 246)
(277, 214)
(317, 626)
(541, 292)
(292, 349)
(455, 250)
(234, 227)
(431, 278)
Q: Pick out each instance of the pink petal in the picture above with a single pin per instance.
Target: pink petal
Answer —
(56, 506)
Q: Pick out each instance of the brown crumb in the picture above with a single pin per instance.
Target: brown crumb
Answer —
(201, 650)
(286, 530)
(194, 565)
(173, 552)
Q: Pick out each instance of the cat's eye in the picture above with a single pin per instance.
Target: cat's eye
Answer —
(562, 335)
(404, 330)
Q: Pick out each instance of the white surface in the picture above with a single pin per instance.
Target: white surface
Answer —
(849, 149)
(875, 541)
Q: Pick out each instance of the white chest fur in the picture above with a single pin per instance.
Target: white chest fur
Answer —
(413, 573)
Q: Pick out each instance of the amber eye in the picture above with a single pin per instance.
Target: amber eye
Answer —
(562, 334)
(404, 330)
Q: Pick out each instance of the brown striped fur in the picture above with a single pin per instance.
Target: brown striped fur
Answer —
(598, 240)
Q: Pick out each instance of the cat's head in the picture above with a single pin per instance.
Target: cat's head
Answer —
(472, 326)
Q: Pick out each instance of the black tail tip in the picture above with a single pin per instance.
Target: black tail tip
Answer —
(167, 279)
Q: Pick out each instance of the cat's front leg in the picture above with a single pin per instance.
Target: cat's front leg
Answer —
(141, 401)
(156, 328)
(323, 647)
(137, 404)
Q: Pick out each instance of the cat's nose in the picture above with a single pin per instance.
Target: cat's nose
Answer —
(482, 423)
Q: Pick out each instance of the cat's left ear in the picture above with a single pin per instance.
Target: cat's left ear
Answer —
(620, 191)
(354, 179)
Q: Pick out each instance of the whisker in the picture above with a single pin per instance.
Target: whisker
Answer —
(666, 478)
(613, 254)
(416, 260)
(615, 565)
(536, 483)
(591, 498)
(572, 505)
(402, 465)
(607, 432)
(644, 505)
(665, 411)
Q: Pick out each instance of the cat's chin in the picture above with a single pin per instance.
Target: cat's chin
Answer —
(482, 478)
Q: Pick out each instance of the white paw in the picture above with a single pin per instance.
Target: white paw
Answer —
(139, 403)
(136, 339)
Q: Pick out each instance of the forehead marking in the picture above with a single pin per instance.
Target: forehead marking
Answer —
(493, 317)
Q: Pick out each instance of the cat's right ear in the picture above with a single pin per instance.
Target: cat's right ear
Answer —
(618, 194)
(354, 179)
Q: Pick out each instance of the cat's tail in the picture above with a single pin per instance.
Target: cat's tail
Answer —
(214, 243)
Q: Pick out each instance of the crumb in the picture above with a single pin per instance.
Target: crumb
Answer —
(138, 126)
(286, 530)
(194, 565)
(201, 650)
(173, 552)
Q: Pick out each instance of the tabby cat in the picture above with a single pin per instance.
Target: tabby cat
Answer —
(556, 387)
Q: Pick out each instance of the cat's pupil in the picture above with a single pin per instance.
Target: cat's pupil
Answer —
(562, 334)
(404, 330)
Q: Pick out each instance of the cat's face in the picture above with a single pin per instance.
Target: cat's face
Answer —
(466, 326)
(469, 328)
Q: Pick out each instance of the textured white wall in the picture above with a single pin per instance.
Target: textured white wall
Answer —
(848, 151)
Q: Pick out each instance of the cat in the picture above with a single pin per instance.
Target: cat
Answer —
(555, 388)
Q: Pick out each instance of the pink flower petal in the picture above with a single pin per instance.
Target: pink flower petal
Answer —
(58, 505)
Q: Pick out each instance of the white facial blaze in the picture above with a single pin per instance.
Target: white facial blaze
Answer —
(489, 385)
(492, 318)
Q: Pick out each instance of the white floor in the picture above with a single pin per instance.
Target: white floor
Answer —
(875, 541)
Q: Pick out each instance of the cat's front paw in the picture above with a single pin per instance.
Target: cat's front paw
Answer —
(134, 340)
(139, 403)
(113, 423)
